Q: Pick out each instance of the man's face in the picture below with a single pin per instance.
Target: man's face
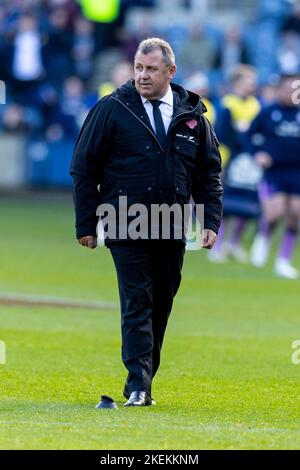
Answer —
(152, 76)
(286, 92)
(246, 85)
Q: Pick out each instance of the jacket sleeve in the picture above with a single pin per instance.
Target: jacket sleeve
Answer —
(207, 187)
(90, 152)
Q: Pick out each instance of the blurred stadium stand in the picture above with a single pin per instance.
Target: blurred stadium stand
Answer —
(56, 63)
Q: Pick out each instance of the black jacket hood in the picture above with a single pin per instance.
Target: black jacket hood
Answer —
(184, 100)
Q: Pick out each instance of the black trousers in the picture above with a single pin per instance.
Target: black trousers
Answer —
(149, 275)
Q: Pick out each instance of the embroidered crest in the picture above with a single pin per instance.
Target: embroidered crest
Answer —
(192, 123)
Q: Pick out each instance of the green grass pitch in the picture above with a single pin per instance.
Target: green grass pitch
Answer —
(226, 379)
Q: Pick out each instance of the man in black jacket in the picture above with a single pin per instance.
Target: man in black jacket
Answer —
(149, 142)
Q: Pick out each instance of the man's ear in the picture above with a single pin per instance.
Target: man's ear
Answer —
(172, 71)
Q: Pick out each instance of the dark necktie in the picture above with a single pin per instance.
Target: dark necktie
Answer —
(159, 125)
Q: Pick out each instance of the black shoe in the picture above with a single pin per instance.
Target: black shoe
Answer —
(139, 398)
(127, 395)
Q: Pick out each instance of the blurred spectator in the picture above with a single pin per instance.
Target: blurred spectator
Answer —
(2, 23)
(288, 54)
(58, 47)
(275, 139)
(3, 46)
(69, 113)
(129, 40)
(45, 99)
(44, 42)
(120, 75)
(198, 83)
(240, 106)
(25, 56)
(71, 8)
(292, 22)
(198, 52)
(83, 48)
(232, 51)
(241, 175)
(13, 119)
(18, 119)
(268, 91)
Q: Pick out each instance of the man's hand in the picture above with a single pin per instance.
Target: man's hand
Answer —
(90, 241)
(209, 238)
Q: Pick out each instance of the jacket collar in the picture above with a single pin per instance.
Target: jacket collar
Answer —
(184, 101)
(168, 98)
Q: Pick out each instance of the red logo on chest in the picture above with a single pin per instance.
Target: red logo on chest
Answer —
(191, 123)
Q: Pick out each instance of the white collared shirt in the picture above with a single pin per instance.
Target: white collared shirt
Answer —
(166, 109)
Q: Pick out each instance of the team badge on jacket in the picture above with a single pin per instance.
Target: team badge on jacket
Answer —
(191, 123)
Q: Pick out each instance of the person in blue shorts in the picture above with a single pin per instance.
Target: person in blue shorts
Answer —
(275, 141)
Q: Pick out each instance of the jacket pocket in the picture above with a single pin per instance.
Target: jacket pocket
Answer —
(182, 187)
(187, 148)
(134, 187)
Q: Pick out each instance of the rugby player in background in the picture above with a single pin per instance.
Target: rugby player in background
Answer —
(275, 141)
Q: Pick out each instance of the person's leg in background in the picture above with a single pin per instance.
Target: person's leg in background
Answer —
(273, 207)
(217, 254)
(235, 248)
(283, 265)
(230, 245)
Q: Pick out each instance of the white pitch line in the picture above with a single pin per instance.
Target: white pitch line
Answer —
(26, 299)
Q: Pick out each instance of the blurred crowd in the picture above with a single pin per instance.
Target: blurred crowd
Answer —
(57, 59)
(49, 50)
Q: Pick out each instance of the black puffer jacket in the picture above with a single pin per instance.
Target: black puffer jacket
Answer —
(118, 149)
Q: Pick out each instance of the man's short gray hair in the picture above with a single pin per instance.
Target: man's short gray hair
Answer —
(152, 44)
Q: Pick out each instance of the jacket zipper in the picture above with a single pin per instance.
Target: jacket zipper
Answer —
(152, 133)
